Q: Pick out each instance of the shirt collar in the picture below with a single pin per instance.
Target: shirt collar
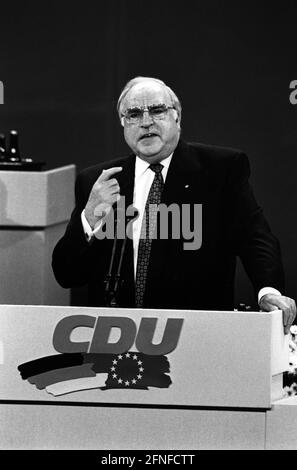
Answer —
(141, 166)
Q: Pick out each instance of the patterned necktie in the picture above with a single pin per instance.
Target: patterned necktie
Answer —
(147, 232)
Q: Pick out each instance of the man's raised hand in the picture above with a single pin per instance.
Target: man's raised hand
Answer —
(105, 193)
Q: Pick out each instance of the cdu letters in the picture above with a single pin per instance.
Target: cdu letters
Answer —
(101, 332)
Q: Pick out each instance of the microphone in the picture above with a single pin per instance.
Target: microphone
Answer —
(112, 283)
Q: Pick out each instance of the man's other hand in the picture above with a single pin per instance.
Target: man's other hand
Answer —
(270, 302)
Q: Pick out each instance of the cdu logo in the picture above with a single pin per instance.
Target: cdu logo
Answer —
(102, 364)
(1, 93)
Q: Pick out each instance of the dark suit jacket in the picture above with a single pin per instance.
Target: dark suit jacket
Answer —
(232, 225)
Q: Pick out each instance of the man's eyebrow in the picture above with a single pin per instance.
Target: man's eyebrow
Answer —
(133, 107)
(149, 106)
(157, 104)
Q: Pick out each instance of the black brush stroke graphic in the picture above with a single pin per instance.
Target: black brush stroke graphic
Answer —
(130, 370)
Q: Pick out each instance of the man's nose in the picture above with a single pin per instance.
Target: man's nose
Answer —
(146, 119)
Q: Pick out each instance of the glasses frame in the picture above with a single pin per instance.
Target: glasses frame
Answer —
(145, 109)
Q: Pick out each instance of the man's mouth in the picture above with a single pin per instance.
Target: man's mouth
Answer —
(149, 135)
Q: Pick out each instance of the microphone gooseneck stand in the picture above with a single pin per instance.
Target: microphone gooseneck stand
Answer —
(113, 282)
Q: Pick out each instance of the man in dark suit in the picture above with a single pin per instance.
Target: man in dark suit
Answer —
(163, 169)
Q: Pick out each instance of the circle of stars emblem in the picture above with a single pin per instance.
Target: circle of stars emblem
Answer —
(119, 363)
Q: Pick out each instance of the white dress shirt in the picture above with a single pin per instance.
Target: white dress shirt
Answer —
(143, 179)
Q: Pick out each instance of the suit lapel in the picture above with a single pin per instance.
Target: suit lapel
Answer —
(186, 180)
(186, 174)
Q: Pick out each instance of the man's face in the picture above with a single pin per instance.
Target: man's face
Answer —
(151, 139)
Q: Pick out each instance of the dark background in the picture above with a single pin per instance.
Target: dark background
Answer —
(230, 63)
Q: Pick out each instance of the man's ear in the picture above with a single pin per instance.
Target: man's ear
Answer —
(177, 118)
(176, 115)
(122, 121)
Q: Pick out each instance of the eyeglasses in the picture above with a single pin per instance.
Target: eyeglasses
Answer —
(156, 112)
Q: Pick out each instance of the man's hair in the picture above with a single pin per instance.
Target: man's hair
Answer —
(131, 83)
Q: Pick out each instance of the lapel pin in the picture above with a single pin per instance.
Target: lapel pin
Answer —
(186, 186)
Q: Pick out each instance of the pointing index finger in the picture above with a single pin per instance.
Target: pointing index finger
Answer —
(106, 174)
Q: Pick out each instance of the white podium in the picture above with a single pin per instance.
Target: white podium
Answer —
(100, 378)
(34, 211)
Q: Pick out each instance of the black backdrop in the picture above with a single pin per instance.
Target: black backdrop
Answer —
(230, 63)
